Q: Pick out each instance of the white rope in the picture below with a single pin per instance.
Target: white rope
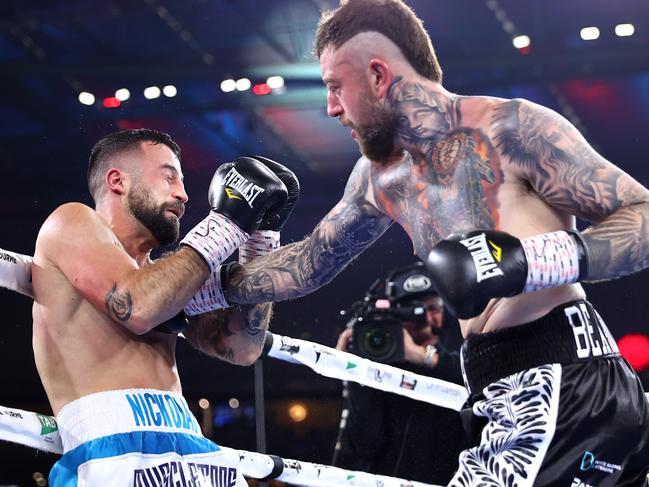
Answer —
(336, 364)
(41, 432)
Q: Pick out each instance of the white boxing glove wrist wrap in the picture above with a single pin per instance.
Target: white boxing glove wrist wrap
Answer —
(215, 238)
(262, 242)
(16, 272)
(209, 297)
(553, 259)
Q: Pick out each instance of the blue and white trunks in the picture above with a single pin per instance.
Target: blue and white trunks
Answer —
(138, 438)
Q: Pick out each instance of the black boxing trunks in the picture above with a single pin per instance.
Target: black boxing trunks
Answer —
(552, 403)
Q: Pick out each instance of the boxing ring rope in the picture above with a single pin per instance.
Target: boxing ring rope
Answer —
(41, 432)
(336, 364)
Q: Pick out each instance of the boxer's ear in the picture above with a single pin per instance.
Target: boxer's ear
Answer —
(115, 180)
(381, 77)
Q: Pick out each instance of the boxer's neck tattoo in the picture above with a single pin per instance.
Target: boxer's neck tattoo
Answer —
(567, 173)
(119, 304)
(424, 115)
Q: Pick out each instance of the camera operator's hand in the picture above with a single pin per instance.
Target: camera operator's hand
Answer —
(343, 340)
(416, 354)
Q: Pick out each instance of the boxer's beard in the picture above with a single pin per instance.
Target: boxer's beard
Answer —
(142, 205)
(376, 138)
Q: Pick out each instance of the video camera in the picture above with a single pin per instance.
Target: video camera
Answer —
(377, 320)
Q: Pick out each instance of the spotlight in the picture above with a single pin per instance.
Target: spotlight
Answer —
(151, 92)
(297, 412)
(203, 403)
(275, 82)
(261, 89)
(111, 102)
(243, 84)
(169, 91)
(86, 98)
(624, 30)
(228, 85)
(521, 42)
(233, 403)
(122, 94)
(589, 33)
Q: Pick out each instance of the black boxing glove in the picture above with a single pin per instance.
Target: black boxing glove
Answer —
(240, 194)
(275, 221)
(245, 191)
(266, 239)
(468, 270)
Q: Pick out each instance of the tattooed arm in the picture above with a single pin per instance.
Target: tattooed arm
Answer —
(75, 240)
(300, 268)
(236, 336)
(569, 175)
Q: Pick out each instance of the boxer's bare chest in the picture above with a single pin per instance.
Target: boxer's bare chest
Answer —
(455, 186)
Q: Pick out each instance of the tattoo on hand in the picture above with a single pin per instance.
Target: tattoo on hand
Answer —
(119, 304)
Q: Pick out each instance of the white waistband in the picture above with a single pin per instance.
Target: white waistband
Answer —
(122, 411)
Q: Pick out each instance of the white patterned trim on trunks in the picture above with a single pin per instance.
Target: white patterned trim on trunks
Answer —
(521, 410)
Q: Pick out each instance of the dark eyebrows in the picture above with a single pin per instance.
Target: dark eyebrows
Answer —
(173, 170)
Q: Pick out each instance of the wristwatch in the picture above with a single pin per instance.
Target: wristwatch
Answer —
(430, 352)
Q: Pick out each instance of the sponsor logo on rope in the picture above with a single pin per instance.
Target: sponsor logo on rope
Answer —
(408, 382)
(248, 190)
(8, 258)
(185, 474)
(485, 254)
(48, 424)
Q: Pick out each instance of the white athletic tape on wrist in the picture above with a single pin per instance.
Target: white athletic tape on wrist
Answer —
(16, 272)
(552, 260)
(215, 238)
(209, 297)
(262, 242)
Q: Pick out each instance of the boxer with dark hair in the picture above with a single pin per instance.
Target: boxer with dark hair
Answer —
(488, 190)
(103, 345)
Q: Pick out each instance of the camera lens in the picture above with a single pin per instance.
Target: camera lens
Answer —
(378, 342)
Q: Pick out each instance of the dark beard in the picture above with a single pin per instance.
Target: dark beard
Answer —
(164, 229)
(376, 139)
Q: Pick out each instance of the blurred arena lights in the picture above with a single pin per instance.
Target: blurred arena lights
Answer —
(634, 348)
(86, 98)
(275, 82)
(228, 85)
(233, 403)
(589, 33)
(151, 92)
(111, 102)
(624, 30)
(122, 94)
(169, 91)
(203, 403)
(297, 412)
(521, 42)
(243, 84)
(261, 89)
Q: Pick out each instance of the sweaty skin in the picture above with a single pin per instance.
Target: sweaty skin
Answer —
(98, 296)
(460, 163)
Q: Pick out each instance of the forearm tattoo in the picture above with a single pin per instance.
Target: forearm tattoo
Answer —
(257, 318)
(119, 304)
(302, 267)
(560, 166)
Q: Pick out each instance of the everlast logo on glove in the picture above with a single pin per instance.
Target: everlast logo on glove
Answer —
(245, 188)
(484, 258)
